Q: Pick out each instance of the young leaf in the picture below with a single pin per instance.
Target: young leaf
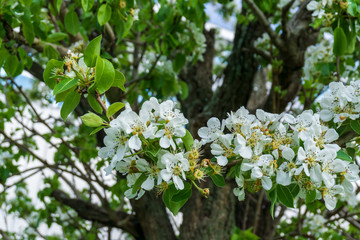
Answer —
(183, 194)
(272, 197)
(355, 125)
(218, 180)
(96, 130)
(87, 4)
(70, 103)
(92, 51)
(92, 120)
(28, 30)
(178, 62)
(56, 37)
(95, 105)
(188, 140)
(104, 14)
(113, 108)
(294, 189)
(65, 85)
(174, 206)
(310, 196)
(104, 75)
(284, 196)
(340, 42)
(52, 66)
(184, 91)
(72, 23)
(138, 183)
(343, 156)
(119, 80)
(12, 66)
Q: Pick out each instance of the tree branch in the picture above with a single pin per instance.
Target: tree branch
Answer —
(93, 212)
(37, 44)
(265, 23)
(284, 12)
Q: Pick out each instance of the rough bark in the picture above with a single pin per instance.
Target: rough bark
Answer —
(199, 80)
(153, 218)
(214, 217)
(299, 35)
(238, 75)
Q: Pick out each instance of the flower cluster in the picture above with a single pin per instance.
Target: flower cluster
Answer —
(341, 102)
(150, 148)
(271, 149)
(264, 150)
(320, 53)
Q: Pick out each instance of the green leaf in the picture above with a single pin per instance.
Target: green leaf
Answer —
(310, 196)
(284, 196)
(184, 91)
(169, 193)
(61, 96)
(178, 62)
(104, 14)
(92, 120)
(343, 156)
(95, 105)
(340, 42)
(96, 130)
(294, 189)
(65, 85)
(70, 103)
(184, 194)
(128, 25)
(119, 80)
(56, 37)
(72, 23)
(355, 125)
(12, 66)
(57, 4)
(218, 180)
(104, 75)
(87, 4)
(138, 183)
(351, 152)
(92, 51)
(188, 140)
(48, 74)
(51, 52)
(28, 31)
(272, 197)
(113, 108)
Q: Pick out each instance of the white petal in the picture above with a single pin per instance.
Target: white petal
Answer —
(331, 135)
(266, 183)
(330, 202)
(148, 184)
(240, 193)
(256, 172)
(315, 174)
(213, 123)
(283, 178)
(178, 182)
(246, 152)
(166, 174)
(329, 179)
(135, 142)
(164, 142)
(288, 153)
(326, 115)
(222, 160)
(246, 166)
